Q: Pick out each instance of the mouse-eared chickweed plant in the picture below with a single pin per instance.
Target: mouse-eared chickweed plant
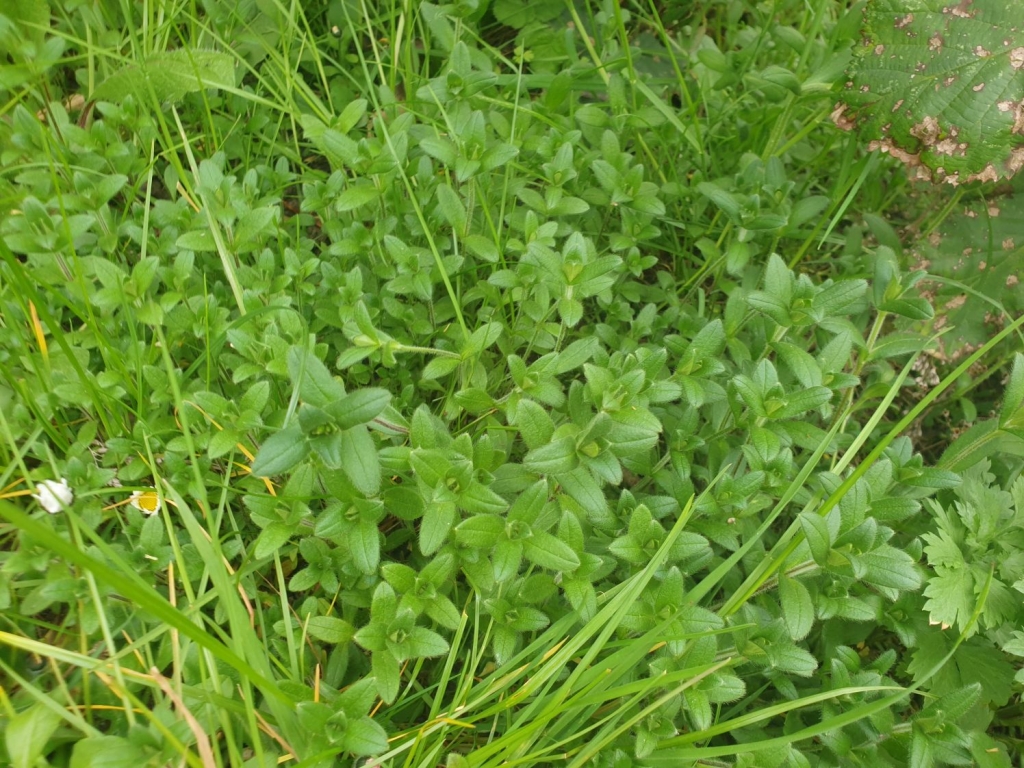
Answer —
(491, 384)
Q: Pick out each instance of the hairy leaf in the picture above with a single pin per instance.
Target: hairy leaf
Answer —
(940, 86)
(171, 75)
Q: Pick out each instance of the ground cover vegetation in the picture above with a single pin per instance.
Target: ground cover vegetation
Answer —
(511, 383)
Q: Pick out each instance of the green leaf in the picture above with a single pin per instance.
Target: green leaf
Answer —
(978, 661)
(452, 209)
(985, 232)
(365, 737)
(360, 461)
(950, 597)
(530, 503)
(359, 407)
(507, 557)
(401, 577)
(699, 707)
(803, 366)
(553, 458)
(364, 544)
(372, 637)
(357, 699)
(778, 279)
(480, 531)
(933, 477)
(256, 397)
(941, 90)
(792, 659)
(199, 240)
(835, 299)
(726, 201)
(896, 344)
(443, 611)
(479, 499)
(328, 448)
(1014, 394)
(571, 311)
(271, 539)
(439, 366)
(438, 519)
(106, 752)
(33, 16)
(338, 147)
(171, 75)
(483, 248)
(954, 704)
(253, 227)
(280, 452)
(629, 549)
(576, 354)
(316, 384)
(431, 465)
(439, 24)
(357, 196)
(350, 116)
(313, 716)
(498, 155)
(890, 567)
(751, 395)
(528, 619)
(474, 400)
(28, 733)
(483, 337)
(804, 400)
(626, 440)
(329, 629)
(518, 13)
(548, 551)
(128, 583)
(819, 539)
(797, 607)
(569, 206)
(440, 149)
(921, 755)
(388, 674)
(915, 308)
(989, 753)
(534, 423)
(771, 305)
(312, 419)
(726, 688)
(426, 644)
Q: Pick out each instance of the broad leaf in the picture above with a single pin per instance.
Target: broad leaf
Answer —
(171, 75)
(106, 752)
(27, 734)
(280, 452)
(359, 407)
(359, 460)
(549, 552)
(940, 86)
(329, 629)
(797, 608)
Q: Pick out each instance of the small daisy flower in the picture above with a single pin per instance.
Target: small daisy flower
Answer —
(54, 496)
(146, 502)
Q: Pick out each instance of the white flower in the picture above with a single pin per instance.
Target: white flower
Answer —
(146, 502)
(54, 496)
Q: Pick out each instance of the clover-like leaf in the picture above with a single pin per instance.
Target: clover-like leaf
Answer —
(939, 85)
